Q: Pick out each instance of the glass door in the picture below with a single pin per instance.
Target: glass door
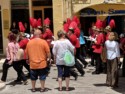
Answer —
(43, 12)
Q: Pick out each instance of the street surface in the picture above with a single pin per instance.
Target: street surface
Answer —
(88, 84)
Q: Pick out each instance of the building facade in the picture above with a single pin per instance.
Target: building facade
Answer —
(88, 11)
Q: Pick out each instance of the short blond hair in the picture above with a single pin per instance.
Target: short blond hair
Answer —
(60, 33)
(112, 36)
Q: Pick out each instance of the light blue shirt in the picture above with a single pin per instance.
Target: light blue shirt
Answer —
(81, 38)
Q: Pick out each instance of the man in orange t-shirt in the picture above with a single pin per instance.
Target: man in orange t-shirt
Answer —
(38, 53)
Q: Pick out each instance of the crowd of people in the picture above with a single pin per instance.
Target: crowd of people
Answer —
(37, 50)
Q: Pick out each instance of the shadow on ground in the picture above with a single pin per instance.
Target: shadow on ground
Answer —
(64, 88)
(13, 83)
(120, 88)
(39, 89)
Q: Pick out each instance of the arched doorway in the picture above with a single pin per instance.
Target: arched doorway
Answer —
(104, 12)
(86, 22)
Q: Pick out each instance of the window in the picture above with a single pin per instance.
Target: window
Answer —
(42, 2)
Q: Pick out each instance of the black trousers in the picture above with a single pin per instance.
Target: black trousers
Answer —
(80, 57)
(17, 65)
(24, 63)
(123, 67)
(98, 62)
(79, 67)
(73, 72)
(5, 67)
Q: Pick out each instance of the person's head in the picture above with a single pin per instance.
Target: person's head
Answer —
(61, 34)
(12, 37)
(22, 35)
(107, 29)
(14, 23)
(71, 31)
(112, 36)
(15, 31)
(40, 28)
(37, 33)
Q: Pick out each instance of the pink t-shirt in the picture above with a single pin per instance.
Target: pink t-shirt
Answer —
(12, 48)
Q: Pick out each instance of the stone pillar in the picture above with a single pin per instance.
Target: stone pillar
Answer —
(57, 16)
(6, 15)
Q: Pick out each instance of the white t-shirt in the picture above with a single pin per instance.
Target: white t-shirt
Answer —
(59, 49)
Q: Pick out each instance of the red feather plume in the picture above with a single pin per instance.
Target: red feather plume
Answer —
(21, 27)
(47, 21)
(39, 22)
(112, 23)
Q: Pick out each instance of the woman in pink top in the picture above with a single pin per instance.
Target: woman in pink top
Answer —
(11, 59)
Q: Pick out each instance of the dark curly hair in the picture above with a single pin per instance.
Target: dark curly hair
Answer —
(11, 36)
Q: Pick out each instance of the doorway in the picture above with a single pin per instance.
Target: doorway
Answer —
(43, 12)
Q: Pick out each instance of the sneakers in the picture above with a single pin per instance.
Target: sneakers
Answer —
(2, 85)
(95, 72)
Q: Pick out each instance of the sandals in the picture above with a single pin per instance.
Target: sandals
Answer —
(60, 89)
(42, 90)
(33, 90)
(67, 89)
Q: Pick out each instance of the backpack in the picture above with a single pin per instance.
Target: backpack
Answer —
(68, 58)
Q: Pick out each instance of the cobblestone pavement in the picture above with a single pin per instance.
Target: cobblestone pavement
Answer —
(88, 84)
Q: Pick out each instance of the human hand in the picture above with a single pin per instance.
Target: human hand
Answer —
(10, 62)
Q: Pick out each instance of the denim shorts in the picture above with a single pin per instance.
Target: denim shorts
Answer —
(63, 71)
(35, 73)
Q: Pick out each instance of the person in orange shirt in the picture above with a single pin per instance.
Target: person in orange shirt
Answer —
(38, 53)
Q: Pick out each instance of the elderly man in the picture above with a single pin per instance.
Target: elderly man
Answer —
(38, 52)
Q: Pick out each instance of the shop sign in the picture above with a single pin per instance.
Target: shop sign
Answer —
(110, 1)
(81, 1)
(102, 12)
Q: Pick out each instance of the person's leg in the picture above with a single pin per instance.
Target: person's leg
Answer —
(73, 73)
(79, 67)
(60, 75)
(34, 76)
(42, 76)
(67, 83)
(108, 79)
(67, 75)
(18, 67)
(78, 56)
(33, 84)
(123, 67)
(5, 70)
(42, 84)
(114, 73)
(25, 64)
